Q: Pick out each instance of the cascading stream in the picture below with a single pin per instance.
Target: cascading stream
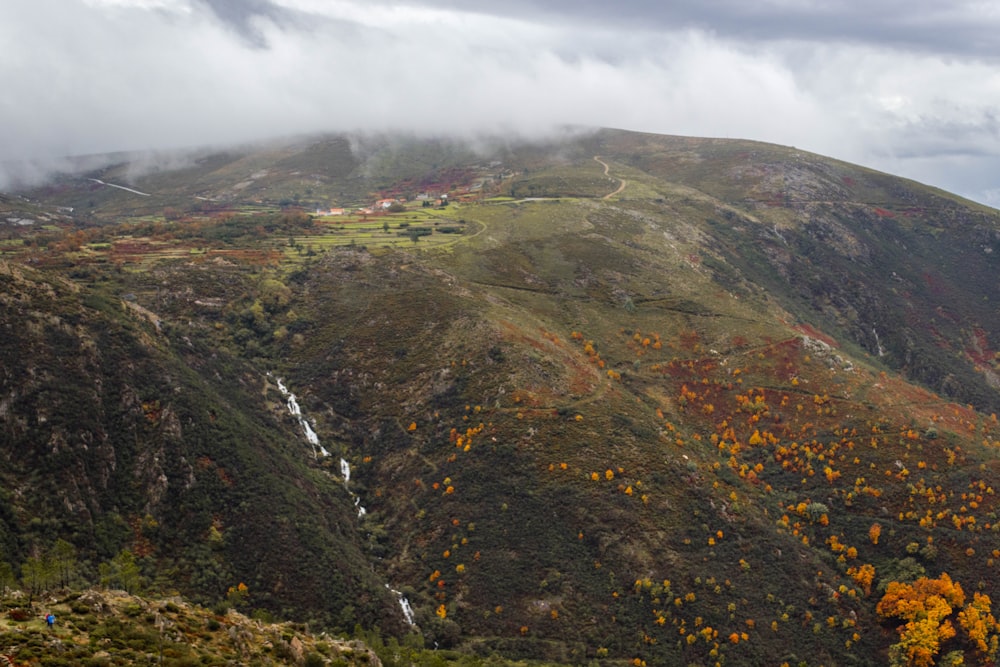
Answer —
(345, 472)
(404, 604)
(296, 411)
(345, 468)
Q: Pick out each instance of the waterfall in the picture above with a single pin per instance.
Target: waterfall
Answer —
(878, 343)
(296, 411)
(345, 467)
(345, 472)
(404, 604)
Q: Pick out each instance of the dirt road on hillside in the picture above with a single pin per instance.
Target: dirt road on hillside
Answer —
(606, 170)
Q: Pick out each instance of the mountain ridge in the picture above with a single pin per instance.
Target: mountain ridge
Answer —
(571, 393)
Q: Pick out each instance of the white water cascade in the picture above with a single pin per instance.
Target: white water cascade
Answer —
(345, 467)
(878, 343)
(296, 411)
(345, 472)
(404, 604)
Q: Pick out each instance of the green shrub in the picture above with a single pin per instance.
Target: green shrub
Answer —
(262, 615)
(283, 651)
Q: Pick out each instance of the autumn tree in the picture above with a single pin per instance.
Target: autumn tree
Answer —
(237, 595)
(980, 626)
(863, 576)
(928, 608)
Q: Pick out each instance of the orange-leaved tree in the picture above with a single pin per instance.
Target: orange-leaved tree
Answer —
(980, 626)
(928, 607)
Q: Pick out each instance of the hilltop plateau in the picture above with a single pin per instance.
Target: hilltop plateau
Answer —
(612, 397)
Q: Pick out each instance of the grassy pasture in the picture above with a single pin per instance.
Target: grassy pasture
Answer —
(415, 228)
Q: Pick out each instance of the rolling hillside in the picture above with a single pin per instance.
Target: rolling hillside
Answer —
(615, 397)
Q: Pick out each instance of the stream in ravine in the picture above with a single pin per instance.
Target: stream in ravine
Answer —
(345, 472)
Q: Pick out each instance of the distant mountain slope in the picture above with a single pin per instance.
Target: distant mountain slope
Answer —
(905, 271)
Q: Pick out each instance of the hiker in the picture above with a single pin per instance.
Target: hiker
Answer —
(50, 620)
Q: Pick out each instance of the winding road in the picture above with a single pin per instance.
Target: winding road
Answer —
(606, 169)
(120, 187)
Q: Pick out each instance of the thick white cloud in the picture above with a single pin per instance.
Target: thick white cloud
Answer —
(86, 76)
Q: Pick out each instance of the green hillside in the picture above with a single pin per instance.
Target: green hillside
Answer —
(614, 398)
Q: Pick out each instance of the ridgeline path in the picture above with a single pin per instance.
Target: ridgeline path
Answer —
(606, 169)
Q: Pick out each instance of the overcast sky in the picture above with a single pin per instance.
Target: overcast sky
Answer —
(910, 87)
